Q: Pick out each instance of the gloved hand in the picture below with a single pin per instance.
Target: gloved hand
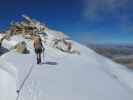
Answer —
(43, 49)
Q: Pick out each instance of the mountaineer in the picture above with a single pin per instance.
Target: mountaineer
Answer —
(39, 49)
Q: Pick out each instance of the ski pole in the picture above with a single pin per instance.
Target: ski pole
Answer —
(43, 55)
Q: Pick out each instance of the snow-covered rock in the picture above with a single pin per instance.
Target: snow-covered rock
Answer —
(64, 76)
(54, 38)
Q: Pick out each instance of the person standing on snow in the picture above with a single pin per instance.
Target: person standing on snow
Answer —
(39, 49)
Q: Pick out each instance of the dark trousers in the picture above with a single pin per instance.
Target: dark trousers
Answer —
(38, 52)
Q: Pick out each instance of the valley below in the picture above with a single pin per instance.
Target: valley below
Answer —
(122, 54)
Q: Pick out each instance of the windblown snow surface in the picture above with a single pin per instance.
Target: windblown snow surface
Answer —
(64, 76)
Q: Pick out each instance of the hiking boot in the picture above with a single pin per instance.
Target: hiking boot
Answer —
(38, 61)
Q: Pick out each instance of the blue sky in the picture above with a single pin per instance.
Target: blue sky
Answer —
(87, 21)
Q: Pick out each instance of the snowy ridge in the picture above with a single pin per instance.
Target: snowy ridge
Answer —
(66, 76)
(120, 72)
(63, 76)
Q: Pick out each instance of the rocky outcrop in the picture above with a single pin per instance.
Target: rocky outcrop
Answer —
(65, 46)
(21, 48)
(28, 28)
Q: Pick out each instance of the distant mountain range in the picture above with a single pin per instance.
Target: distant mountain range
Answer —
(119, 53)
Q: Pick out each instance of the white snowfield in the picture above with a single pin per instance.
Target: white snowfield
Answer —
(64, 76)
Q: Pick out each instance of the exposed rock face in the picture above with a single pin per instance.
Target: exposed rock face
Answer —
(65, 46)
(21, 48)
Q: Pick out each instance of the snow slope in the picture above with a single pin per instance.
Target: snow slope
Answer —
(64, 76)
